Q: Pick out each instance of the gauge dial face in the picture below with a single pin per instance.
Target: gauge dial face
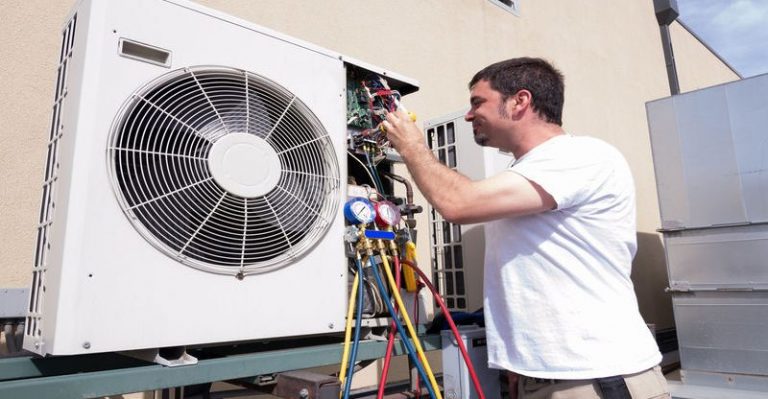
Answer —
(387, 213)
(359, 210)
(362, 211)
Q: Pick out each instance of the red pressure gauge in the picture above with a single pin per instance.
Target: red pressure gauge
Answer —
(387, 214)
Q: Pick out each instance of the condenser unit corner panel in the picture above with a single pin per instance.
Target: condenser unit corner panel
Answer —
(106, 286)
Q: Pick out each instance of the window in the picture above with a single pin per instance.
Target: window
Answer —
(447, 251)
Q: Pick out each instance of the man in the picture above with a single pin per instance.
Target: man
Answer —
(560, 308)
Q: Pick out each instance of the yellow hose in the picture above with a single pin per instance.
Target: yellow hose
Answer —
(348, 331)
(411, 284)
(411, 331)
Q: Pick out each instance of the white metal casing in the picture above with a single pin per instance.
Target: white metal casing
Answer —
(457, 381)
(103, 287)
(709, 155)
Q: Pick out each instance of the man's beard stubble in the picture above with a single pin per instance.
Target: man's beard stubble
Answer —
(481, 139)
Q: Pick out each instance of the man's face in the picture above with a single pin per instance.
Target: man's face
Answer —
(487, 113)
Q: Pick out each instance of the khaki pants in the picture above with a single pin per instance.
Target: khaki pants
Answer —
(648, 384)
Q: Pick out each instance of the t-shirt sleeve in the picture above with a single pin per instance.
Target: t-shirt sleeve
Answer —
(571, 177)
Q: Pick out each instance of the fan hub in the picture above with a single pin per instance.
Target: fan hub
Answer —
(244, 165)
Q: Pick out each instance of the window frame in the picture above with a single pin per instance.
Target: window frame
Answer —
(513, 6)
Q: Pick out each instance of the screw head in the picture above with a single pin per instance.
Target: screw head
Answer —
(304, 393)
(87, 345)
(330, 325)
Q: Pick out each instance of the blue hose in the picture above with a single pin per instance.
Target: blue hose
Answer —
(358, 321)
(408, 344)
(376, 179)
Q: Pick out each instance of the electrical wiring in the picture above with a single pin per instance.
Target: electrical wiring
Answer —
(348, 330)
(409, 346)
(416, 342)
(358, 325)
(381, 157)
(372, 298)
(369, 289)
(375, 297)
(462, 347)
(374, 174)
(369, 99)
(380, 98)
(373, 181)
(378, 300)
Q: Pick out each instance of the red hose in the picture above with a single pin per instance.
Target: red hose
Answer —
(390, 340)
(448, 317)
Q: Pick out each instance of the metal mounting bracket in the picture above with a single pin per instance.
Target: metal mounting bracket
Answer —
(169, 357)
(306, 385)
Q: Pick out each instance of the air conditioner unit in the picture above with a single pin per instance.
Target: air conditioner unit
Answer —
(192, 191)
(457, 248)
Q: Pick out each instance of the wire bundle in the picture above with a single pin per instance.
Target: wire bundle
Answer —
(368, 102)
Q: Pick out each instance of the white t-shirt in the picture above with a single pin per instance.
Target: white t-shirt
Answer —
(559, 302)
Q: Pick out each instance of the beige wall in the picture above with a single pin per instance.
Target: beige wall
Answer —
(609, 51)
(29, 47)
(696, 66)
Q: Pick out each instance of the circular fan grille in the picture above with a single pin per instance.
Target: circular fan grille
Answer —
(223, 170)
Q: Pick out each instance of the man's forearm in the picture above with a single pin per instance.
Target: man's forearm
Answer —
(441, 185)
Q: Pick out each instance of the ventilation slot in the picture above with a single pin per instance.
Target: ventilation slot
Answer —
(48, 200)
(145, 52)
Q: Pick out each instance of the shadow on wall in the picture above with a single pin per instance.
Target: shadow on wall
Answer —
(649, 275)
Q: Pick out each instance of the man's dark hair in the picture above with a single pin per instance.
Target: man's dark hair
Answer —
(533, 74)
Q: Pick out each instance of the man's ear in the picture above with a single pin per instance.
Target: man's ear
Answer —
(518, 102)
(522, 99)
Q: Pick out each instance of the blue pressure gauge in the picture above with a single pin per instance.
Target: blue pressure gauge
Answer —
(359, 210)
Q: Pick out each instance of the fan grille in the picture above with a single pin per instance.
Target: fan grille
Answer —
(160, 160)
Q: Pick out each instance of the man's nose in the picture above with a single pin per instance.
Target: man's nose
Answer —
(469, 116)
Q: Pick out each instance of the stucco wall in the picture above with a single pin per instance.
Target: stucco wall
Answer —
(609, 51)
(29, 46)
(696, 66)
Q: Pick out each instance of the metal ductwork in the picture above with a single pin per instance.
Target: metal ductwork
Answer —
(666, 13)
